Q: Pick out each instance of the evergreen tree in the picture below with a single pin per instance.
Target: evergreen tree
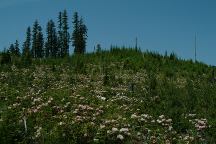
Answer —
(79, 35)
(51, 44)
(34, 39)
(37, 41)
(26, 56)
(16, 48)
(27, 43)
(75, 34)
(82, 36)
(65, 35)
(12, 49)
(60, 41)
(40, 43)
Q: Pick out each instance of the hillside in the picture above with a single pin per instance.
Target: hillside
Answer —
(116, 96)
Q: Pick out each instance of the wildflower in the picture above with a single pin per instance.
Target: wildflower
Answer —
(76, 111)
(186, 138)
(142, 119)
(102, 126)
(153, 139)
(134, 116)
(108, 131)
(124, 130)
(96, 140)
(138, 133)
(144, 115)
(167, 142)
(35, 110)
(114, 129)
(60, 123)
(120, 137)
(161, 116)
(159, 121)
(153, 121)
(169, 120)
(170, 128)
(191, 115)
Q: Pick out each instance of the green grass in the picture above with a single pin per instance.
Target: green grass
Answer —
(117, 96)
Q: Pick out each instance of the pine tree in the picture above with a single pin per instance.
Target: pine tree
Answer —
(75, 34)
(60, 40)
(79, 35)
(16, 48)
(26, 55)
(12, 49)
(51, 44)
(40, 43)
(65, 34)
(82, 35)
(27, 43)
(37, 41)
(34, 39)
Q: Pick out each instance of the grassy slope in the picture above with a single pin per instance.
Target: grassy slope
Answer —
(123, 96)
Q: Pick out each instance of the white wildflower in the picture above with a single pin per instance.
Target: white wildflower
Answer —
(124, 130)
(120, 137)
(114, 129)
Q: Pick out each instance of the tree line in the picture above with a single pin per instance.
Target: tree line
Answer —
(57, 41)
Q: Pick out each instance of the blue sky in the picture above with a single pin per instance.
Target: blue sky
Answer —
(160, 25)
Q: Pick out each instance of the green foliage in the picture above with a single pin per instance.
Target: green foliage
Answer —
(65, 35)
(5, 57)
(37, 50)
(51, 46)
(117, 96)
(79, 35)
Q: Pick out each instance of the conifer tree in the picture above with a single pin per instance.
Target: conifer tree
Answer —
(34, 39)
(65, 35)
(79, 35)
(75, 34)
(40, 43)
(27, 43)
(60, 41)
(82, 36)
(12, 49)
(51, 44)
(37, 41)
(16, 48)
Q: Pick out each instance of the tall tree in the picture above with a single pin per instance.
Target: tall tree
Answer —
(51, 44)
(37, 41)
(27, 43)
(65, 34)
(40, 43)
(16, 48)
(34, 39)
(60, 38)
(79, 35)
(82, 36)
(75, 34)
(12, 49)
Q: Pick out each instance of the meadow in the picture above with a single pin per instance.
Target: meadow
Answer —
(117, 96)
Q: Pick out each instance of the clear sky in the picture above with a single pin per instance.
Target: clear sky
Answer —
(160, 25)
